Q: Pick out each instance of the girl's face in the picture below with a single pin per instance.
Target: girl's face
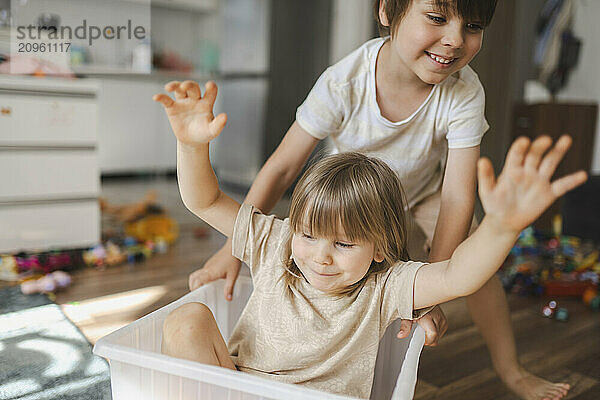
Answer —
(330, 265)
(431, 46)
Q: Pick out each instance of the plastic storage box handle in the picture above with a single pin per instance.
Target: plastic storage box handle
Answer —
(407, 379)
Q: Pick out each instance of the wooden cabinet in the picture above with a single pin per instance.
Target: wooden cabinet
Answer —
(554, 120)
(48, 164)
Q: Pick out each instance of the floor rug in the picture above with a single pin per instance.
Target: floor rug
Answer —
(43, 355)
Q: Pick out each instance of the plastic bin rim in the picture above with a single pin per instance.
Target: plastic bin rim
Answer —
(211, 374)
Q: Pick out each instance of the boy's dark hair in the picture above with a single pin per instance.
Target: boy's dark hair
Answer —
(480, 11)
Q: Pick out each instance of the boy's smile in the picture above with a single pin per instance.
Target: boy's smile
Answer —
(444, 61)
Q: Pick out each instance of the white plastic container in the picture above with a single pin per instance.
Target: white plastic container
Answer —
(139, 370)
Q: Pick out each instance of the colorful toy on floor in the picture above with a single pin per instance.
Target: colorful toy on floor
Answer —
(588, 295)
(161, 245)
(549, 309)
(153, 227)
(114, 254)
(46, 284)
(553, 265)
(562, 314)
(95, 256)
(591, 298)
(20, 266)
(595, 303)
(8, 268)
(144, 220)
(135, 251)
(129, 212)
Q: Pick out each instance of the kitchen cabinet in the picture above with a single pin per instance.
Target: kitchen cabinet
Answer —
(48, 164)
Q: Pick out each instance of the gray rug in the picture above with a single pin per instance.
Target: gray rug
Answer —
(43, 355)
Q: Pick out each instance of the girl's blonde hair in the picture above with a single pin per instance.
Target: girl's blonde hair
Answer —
(359, 193)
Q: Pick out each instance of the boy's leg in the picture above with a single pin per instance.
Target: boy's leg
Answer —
(489, 310)
(191, 332)
(490, 313)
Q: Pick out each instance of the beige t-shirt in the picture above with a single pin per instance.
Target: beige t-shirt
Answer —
(324, 342)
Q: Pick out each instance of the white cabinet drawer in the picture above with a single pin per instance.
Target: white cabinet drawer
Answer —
(30, 174)
(47, 120)
(48, 226)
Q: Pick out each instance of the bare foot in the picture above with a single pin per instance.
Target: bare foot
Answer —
(531, 387)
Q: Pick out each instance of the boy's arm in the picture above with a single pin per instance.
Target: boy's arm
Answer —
(194, 125)
(282, 167)
(519, 196)
(457, 204)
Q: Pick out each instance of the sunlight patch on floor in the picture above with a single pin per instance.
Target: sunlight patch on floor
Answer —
(90, 310)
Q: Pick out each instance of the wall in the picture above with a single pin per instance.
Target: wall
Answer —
(584, 83)
(352, 24)
(299, 54)
(495, 66)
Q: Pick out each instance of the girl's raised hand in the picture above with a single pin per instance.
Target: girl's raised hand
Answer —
(523, 190)
(191, 114)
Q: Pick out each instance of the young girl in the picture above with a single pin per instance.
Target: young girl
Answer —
(412, 100)
(328, 281)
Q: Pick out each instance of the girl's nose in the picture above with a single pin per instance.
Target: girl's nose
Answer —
(453, 36)
(322, 253)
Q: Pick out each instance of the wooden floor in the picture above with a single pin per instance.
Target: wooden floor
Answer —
(459, 368)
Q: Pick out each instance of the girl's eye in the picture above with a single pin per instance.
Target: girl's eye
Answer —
(436, 18)
(474, 27)
(344, 245)
(307, 236)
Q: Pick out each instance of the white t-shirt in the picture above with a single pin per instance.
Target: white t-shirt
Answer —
(309, 337)
(343, 106)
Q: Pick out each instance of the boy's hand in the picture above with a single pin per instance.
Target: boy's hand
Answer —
(434, 323)
(523, 190)
(222, 265)
(191, 114)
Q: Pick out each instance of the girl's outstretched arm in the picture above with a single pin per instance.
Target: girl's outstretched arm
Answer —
(194, 125)
(522, 192)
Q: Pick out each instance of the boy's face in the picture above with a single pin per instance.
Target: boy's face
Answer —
(430, 45)
(332, 264)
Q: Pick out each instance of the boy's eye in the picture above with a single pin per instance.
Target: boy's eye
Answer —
(344, 245)
(474, 27)
(436, 18)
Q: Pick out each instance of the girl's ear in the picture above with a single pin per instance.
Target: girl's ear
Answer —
(382, 16)
(378, 257)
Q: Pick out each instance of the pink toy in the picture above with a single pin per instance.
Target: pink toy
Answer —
(46, 284)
